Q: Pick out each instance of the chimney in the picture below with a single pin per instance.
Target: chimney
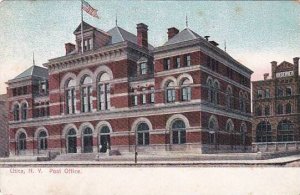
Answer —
(142, 35)
(172, 32)
(296, 66)
(266, 76)
(69, 47)
(206, 37)
(274, 66)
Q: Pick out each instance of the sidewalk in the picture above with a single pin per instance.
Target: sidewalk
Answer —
(115, 162)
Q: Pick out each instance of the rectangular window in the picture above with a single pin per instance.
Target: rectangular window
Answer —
(288, 91)
(152, 95)
(107, 96)
(134, 100)
(144, 99)
(167, 64)
(101, 97)
(90, 44)
(186, 93)
(25, 90)
(143, 68)
(267, 93)
(188, 60)
(170, 95)
(14, 92)
(177, 62)
(279, 92)
(260, 94)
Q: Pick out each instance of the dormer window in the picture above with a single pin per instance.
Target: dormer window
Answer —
(87, 44)
(143, 68)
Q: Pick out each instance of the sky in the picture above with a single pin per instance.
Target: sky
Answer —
(256, 32)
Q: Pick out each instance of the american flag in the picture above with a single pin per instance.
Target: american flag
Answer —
(89, 9)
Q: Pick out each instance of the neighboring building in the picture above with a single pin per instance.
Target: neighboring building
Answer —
(3, 126)
(276, 108)
(122, 92)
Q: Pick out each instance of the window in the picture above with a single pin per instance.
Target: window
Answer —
(22, 141)
(267, 110)
(14, 92)
(170, 92)
(279, 92)
(87, 44)
(104, 92)
(288, 108)
(177, 62)
(185, 90)
(178, 132)
(229, 73)
(144, 96)
(216, 92)
(152, 95)
(143, 68)
(229, 126)
(285, 131)
(143, 134)
(16, 112)
(263, 132)
(229, 98)
(188, 60)
(258, 111)
(86, 93)
(279, 109)
(167, 64)
(267, 93)
(243, 131)
(70, 97)
(242, 100)
(134, 100)
(288, 91)
(42, 140)
(24, 111)
(260, 94)
(210, 90)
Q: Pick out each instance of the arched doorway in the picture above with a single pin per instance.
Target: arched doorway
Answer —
(22, 143)
(72, 141)
(104, 139)
(88, 140)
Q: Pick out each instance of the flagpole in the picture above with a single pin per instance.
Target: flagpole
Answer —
(82, 26)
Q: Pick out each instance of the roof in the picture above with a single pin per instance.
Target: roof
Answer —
(118, 34)
(34, 71)
(184, 35)
(87, 26)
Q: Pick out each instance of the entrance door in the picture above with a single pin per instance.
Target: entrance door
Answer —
(105, 143)
(72, 144)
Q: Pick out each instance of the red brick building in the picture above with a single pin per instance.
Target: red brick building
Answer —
(122, 93)
(276, 108)
(3, 126)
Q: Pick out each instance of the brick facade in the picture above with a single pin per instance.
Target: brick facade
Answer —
(123, 94)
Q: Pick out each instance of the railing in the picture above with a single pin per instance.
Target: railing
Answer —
(275, 146)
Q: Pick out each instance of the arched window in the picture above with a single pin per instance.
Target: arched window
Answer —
(210, 90)
(104, 139)
(143, 134)
(178, 132)
(263, 132)
(243, 131)
(212, 127)
(170, 92)
(216, 92)
(285, 131)
(267, 110)
(258, 111)
(279, 109)
(70, 97)
(229, 126)
(87, 140)
(104, 92)
(86, 93)
(242, 101)
(229, 97)
(185, 90)
(72, 141)
(42, 140)
(16, 112)
(24, 111)
(22, 141)
(288, 108)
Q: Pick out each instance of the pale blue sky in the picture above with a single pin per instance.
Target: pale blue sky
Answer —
(256, 32)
